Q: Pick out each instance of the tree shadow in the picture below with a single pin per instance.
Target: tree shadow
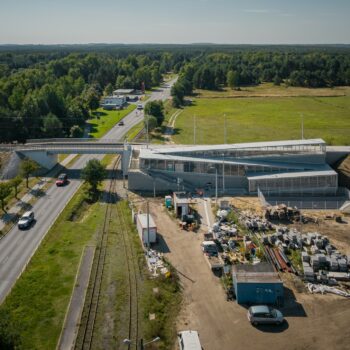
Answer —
(24, 205)
(98, 114)
(9, 217)
(176, 131)
(37, 192)
(93, 128)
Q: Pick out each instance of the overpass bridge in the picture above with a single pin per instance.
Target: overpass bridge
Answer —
(45, 151)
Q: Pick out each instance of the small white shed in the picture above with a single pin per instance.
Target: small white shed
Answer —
(141, 223)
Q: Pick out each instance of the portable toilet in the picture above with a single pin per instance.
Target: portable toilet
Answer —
(168, 202)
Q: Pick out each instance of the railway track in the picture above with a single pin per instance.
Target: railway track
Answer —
(85, 334)
(134, 276)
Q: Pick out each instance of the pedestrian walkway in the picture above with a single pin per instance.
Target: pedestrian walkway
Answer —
(24, 202)
(75, 309)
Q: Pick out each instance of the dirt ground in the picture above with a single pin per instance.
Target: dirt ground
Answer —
(313, 321)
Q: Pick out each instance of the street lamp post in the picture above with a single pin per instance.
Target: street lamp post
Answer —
(142, 344)
(223, 173)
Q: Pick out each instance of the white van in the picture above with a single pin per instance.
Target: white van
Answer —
(189, 340)
(140, 106)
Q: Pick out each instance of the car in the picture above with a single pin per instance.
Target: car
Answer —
(26, 220)
(263, 314)
(189, 340)
(139, 106)
(62, 180)
(121, 123)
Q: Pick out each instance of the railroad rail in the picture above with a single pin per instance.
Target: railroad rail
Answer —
(134, 275)
(86, 330)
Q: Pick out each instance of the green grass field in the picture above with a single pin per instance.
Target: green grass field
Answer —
(101, 124)
(265, 118)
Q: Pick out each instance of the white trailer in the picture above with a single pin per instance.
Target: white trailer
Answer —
(141, 223)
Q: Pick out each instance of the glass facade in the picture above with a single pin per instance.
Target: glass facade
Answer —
(291, 183)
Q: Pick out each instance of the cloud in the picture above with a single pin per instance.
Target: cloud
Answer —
(267, 12)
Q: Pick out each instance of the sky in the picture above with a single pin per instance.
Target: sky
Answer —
(175, 21)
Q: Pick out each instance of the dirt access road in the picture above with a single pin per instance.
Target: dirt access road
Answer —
(313, 321)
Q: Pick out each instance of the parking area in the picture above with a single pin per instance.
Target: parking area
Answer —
(312, 321)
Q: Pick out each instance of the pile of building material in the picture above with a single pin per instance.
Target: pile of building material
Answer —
(281, 212)
(317, 288)
(254, 222)
(156, 263)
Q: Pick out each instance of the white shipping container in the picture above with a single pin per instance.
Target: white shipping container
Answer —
(142, 229)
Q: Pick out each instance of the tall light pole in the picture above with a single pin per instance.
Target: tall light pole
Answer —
(216, 184)
(194, 129)
(225, 130)
(302, 126)
(223, 173)
(147, 131)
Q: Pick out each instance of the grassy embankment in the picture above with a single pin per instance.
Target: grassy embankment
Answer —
(103, 120)
(37, 304)
(34, 311)
(265, 113)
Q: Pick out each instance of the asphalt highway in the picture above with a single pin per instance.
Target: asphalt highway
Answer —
(18, 246)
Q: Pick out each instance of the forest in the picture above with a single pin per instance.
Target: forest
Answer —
(50, 91)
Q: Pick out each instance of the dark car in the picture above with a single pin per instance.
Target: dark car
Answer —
(26, 220)
(62, 180)
(121, 123)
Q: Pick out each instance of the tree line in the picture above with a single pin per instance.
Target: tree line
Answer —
(213, 71)
(46, 97)
(50, 91)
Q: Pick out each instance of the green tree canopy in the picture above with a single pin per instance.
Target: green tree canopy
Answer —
(155, 109)
(28, 167)
(52, 126)
(15, 182)
(93, 173)
(5, 191)
(152, 122)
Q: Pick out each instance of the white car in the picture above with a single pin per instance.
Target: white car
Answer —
(263, 314)
(26, 220)
(189, 340)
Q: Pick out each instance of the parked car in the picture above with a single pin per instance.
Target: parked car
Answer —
(62, 180)
(210, 248)
(26, 220)
(263, 314)
(189, 340)
(121, 123)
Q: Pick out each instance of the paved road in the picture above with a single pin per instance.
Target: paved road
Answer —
(17, 247)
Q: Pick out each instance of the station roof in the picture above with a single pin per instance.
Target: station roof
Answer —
(240, 146)
(325, 172)
(148, 154)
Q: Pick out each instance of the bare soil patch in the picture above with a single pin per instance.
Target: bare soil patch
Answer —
(313, 321)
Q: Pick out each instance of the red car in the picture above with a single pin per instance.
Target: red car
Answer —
(62, 180)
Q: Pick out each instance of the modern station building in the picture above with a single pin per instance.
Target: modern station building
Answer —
(277, 167)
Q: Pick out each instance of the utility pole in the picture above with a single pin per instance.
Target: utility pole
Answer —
(216, 184)
(302, 126)
(147, 131)
(194, 129)
(223, 173)
(225, 130)
(147, 229)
